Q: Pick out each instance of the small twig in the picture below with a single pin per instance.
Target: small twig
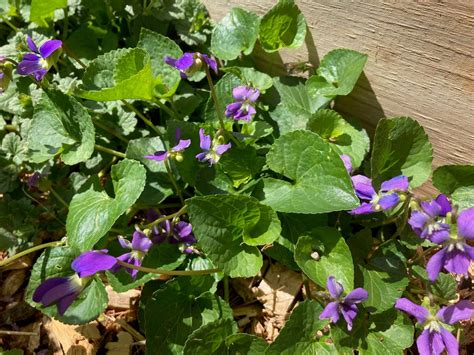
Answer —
(14, 332)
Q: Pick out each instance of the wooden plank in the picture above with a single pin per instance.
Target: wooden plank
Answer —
(421, 62)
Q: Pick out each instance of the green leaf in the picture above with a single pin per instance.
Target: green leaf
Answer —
(337, 74)
(333, 257)
(463, 197)
(92, 214)
(164, 256)
(343, 136)
(241, 164)
(228, 227)
(384, 278)
(387, 333)
(41, 9)
(60, 125)
(183, 306)
(247, 344)
(319, 180)
(401, 147)
(298, 334)
(56, 262)
(449, 178)
(444, 288)
(284, 26)
(251, 77)
(120, 74)
(293, 227)
(295, 107)
(237, 32)
(138, 148)
(158, 47)
(14, 148)
(210, 338)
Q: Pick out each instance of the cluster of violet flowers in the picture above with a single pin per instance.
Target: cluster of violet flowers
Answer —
(36, 63)
(436, 221)
(62, 291)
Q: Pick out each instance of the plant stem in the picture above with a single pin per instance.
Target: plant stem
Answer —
(214, 98)
(173, 180)
(218, 107)
(109, 130)
(101, 148)
(65, 23)
(143, 117)
(168, 272)
(162, 219)
(226, 288)
(11, 25)
(418, 256)
(59, 198)
(31, 250)
(166, 109)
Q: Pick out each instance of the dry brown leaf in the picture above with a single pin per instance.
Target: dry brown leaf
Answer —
(68, 339)
(121, 346)
(12, 283)
(278, 289)
(124, 300)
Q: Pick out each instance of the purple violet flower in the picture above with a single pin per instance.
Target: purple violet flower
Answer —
(190, 63)
(41, 60)
(456, 255)
(342, 305)
(34, 179)
(139, 246)
(242, 108)
(174, 152)
(182, 232)
(64, 290)
(6, 69)
(435, 337)
(60, 290)
(430, 221)
(347, 163)
(92, 262)
(387, 198)
(211, 152)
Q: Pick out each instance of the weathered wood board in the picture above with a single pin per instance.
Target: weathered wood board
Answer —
(421, 62)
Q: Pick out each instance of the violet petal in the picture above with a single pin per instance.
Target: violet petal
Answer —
(462, 310)
(49, 47)
(417, 311)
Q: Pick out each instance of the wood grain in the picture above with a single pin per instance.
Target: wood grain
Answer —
(421, 62)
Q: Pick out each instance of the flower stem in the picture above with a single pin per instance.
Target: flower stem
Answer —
(162, 219)
(168, 272)
(218, 108)
(31, 250)
(143, 117)
(11, 25)
(226, 288)
(166, 109)
(59, 198)
(101, 148)
(173, 180)
(65, 23)
(109, 130)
